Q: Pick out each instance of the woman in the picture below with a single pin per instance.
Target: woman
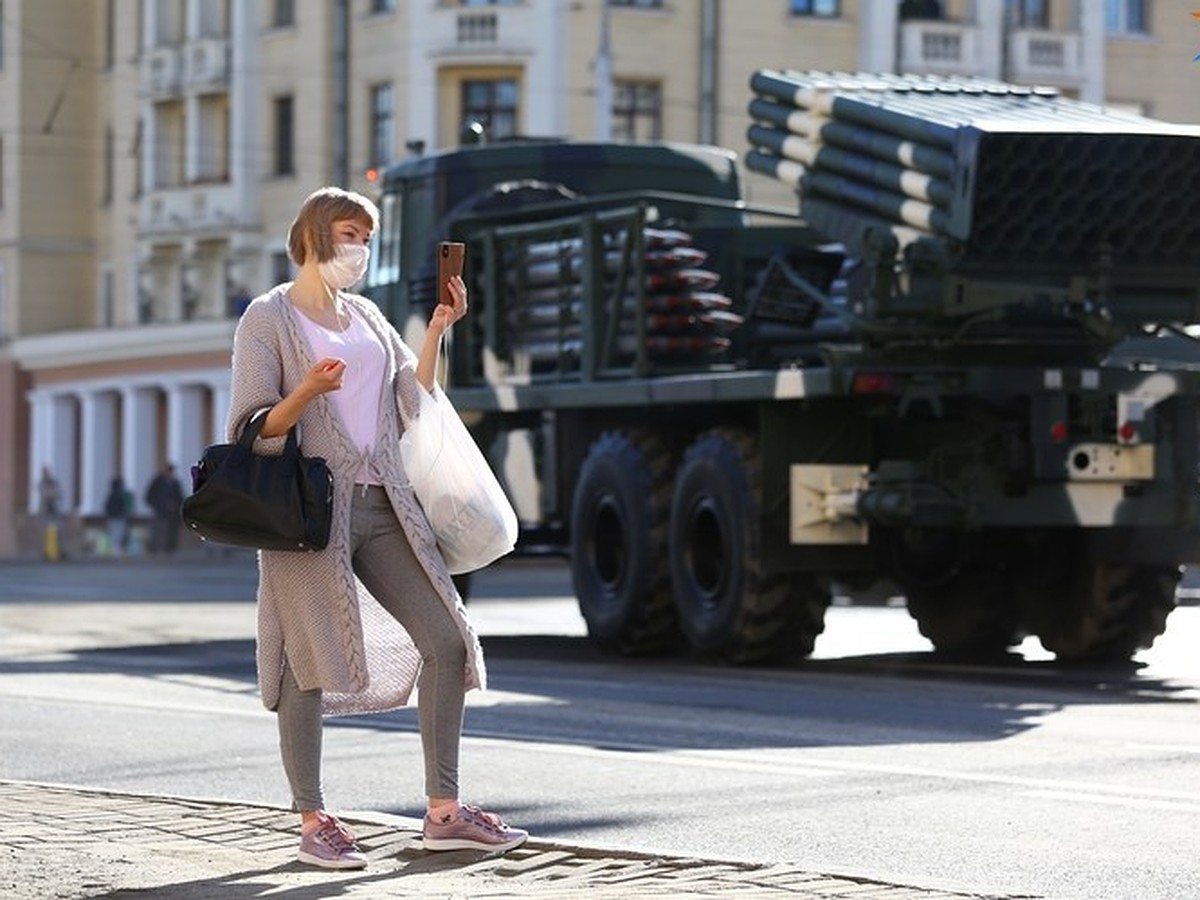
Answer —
(352, 628)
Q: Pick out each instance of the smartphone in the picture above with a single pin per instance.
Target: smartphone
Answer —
(450, 256)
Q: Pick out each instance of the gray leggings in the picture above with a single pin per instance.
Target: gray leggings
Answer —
(387, 567)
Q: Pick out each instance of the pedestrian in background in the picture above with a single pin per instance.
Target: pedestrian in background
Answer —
(49, 508)
(164, 496)
(353, 628)
(118, 506)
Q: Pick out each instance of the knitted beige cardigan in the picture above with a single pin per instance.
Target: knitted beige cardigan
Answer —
(338, 637)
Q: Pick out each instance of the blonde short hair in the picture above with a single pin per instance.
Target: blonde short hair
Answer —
(312, 229)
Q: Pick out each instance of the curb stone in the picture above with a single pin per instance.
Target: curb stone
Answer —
(67, 842)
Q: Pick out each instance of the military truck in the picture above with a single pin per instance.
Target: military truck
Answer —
(959, 366)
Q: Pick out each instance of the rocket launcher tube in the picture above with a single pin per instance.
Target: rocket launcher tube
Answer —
(864, 168)
(894, 206)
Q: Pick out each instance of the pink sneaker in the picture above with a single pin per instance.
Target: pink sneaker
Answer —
(331, 846)
(471, 829)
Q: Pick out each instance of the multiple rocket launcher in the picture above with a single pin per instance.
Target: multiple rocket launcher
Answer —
(1002, 175)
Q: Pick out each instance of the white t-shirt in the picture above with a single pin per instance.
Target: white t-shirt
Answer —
(357, 403)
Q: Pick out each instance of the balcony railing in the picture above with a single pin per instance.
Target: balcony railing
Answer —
(452, 30)
(208, 63)
(161, 72)
(935, 47)
(478, 28)
(1051, 57)
(190, 209)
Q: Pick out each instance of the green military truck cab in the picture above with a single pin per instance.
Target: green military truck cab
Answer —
(719, 412)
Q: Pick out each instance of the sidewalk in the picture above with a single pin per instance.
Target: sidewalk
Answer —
(65, 842)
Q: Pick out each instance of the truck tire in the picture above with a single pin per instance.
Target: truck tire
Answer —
(726, 607)
(969, 615)
(619, 542)
(1102, 613)
(958, 588)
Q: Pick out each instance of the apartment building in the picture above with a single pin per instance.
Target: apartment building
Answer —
(152, 153)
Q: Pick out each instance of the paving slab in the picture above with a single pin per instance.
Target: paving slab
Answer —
(67, 842)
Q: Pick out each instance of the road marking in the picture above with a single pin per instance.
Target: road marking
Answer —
(1129, 802)
(1166, 748)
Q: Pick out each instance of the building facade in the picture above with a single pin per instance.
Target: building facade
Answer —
(153, 152)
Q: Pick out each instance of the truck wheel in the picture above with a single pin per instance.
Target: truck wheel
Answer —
(1099, 613)
(971, 614)
(619, 542)
(726, 607)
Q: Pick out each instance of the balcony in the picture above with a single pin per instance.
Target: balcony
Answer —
(190, 210)
(503, 30)
(1045, 57)
(937, 47)
(207, 64)
(161, 73)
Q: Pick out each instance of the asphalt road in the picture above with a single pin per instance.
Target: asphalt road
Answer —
(868, 760)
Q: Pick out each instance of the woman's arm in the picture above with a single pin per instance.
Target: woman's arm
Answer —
(325, 376)
(443, 317)
(256, 376)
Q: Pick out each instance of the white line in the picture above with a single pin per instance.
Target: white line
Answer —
(1131, 802)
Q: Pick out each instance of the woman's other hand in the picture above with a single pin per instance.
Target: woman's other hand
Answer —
(324, 377)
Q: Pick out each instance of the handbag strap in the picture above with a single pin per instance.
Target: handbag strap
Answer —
(291, 446)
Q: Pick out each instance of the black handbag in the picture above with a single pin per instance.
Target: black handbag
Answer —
(245, 499)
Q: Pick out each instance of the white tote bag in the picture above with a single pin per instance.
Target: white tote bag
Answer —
(470, 514)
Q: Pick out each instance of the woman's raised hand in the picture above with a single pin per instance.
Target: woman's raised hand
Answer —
(445, 314)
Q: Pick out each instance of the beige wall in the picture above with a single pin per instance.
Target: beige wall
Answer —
(1157, 71)
(49, 141)
(13, 471)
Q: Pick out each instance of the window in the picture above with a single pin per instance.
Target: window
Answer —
(5, 331)
(168, 145)
(284, 14)
(637, 111)
(824, 9)
(214, 18)
(385, 255)
(108, 298)
(493, 104)
(1027, 14)
(106, 177)
(381, 125)
(383, 6)
(5, 326)
(212, 152)
(285, 161)
(1127, 17)
(168, 22)
(110, 34)
(135, 151)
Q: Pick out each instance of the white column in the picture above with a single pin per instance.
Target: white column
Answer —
(878, 35)
(192, 133)
(220, 410)
(1092, 46)
(989, 18)
(244, 89)
(185, 439)
(41, 426)
(139, 440)
(64, 447)
(98, 444)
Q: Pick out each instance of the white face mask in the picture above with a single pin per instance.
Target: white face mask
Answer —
(348, 266)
